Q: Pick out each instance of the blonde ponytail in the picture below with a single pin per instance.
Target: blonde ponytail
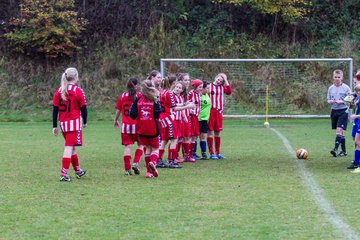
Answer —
(64, 86)
(70, 74)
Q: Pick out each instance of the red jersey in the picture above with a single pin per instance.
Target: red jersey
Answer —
(146, 113)
(178, 100)
(69, 110)
(217, 96)
(123, 104)
(195, 98)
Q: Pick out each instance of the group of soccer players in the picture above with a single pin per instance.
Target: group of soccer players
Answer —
(171, 112)
(189, 109)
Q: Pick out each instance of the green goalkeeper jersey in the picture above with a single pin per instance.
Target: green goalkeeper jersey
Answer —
(205, 106)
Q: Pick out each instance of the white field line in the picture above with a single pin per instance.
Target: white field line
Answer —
(319, 196)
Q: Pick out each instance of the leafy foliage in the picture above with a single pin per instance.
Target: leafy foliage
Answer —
(291, 10)
(46, 27)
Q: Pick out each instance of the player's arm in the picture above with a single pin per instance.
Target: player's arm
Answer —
(157, 110)
(116, 120)
(55, 119)
(133, 109)
(84, 113)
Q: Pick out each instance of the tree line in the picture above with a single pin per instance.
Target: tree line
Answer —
(56, 28)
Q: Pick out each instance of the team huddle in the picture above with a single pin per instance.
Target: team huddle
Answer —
(171, 112)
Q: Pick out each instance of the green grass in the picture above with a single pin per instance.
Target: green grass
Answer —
(256, 193)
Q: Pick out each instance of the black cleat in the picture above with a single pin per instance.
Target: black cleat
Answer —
(334, 153)
(352, 166)
(80, 173)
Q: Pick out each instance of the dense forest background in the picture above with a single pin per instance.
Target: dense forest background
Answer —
(110, 40)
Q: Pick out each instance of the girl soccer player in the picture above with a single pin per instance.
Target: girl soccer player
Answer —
(165, 118)
(218, 88)
(173, 106)
(69, 105)
(185, 124)
(128, 127)
(194, 96)
(204, 115)
(146, 110)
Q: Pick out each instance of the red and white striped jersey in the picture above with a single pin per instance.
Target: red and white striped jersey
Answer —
(217, 96)
(179, 100)
(123, 104)
(69, 110)
(195, 98)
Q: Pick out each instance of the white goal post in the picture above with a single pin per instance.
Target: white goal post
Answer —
(246, 71)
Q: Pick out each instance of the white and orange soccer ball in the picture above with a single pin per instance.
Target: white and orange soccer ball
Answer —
(302, 154)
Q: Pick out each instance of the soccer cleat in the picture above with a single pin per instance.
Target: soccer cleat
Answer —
(334, 152)
(153, 169)
(356, 170)
(204, 156)
(148, 175)
(195, 156)
(127, 173)
(179, 159)
(213, 157)
(65, 179)
(161, 164)
(342, 154)
(189, 159)
(80, 173)
(352, 166)
(136, 169)
(219, 156)
(173, 164)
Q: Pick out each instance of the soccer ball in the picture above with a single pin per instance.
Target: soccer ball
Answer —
(302, 154)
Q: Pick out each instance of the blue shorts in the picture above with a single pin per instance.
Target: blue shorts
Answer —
(354, 130)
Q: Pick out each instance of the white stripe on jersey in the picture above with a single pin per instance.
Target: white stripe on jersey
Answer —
(217, 96)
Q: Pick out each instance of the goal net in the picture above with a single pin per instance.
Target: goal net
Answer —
(269, 87)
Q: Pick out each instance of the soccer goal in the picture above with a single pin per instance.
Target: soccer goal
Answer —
(269, 88)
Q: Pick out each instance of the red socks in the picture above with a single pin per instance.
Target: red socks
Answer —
(75, 163)
(147, 160)
(217, 145)
(138, 154)
(161, 153)
(127, 162)
(210, 141)
(65, 166)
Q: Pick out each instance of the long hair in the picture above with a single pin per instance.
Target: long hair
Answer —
(69, 75)
(130, 87)
(152, 74)
(180, 78)
(149, 91)
(168, 81)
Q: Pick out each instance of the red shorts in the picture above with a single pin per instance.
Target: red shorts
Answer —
(152, 142)
(73, 138)
(215, 120)
(171, 131)
(178, 128)
(186, 128)
(195, 128)
(127, 139)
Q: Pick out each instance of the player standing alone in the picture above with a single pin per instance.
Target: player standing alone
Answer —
(69, 105)
(218, 88)
(339, 116)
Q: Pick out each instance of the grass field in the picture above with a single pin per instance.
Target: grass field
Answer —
(256, 193)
